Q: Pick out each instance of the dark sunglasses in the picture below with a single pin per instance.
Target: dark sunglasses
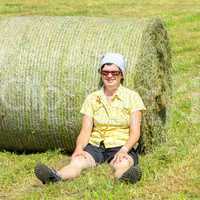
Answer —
(114, 73)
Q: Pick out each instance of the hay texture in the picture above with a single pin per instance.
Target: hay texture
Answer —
(48, 65)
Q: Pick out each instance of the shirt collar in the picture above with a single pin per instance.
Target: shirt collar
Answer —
(118, 94)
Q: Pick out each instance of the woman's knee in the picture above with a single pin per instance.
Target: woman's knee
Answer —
(126, 162)
(83, 161)
(122, 167)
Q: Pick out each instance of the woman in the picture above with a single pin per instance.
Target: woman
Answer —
(110, 128)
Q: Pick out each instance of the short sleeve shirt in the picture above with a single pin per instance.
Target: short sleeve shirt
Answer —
(111, 119)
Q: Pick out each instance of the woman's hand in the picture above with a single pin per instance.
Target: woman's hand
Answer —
(119, 156)
(78, 152)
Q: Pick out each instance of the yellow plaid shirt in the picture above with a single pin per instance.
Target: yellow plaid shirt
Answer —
(111, 119)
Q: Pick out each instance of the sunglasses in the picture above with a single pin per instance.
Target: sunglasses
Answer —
(113, 73)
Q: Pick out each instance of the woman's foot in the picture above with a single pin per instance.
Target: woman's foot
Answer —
(46, 174)
(133, 174)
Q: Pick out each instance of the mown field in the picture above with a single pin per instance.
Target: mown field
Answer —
(172, 170)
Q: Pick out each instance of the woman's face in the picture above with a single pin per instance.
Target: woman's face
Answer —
(111, 75)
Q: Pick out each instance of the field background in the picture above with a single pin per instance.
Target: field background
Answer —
(172, 171)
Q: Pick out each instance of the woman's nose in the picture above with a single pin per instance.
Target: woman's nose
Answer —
(109, 75)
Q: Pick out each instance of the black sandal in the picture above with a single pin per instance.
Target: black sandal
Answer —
(46, 174)
(133, 174)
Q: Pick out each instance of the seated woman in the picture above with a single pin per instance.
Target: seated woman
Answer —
(110, 128)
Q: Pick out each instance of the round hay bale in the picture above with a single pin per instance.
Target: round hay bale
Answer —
(48, 65)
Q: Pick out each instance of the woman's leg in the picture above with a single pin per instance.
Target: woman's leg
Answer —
(46, 174)
(127, 169)
(76, 165)
(123, 166)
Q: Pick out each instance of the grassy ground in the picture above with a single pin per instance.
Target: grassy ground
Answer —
(172, 170)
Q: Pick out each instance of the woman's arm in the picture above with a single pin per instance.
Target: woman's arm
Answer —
(134, 136)
(84, 136)
(134, 133)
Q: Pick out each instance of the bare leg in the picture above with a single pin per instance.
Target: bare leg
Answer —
(121, 167)
(76, 165)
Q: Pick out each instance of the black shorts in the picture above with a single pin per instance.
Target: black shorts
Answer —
(102, 154)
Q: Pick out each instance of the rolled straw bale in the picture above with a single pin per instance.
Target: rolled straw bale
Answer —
(48, 65)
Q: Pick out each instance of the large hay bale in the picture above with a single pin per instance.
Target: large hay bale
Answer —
(49, 64)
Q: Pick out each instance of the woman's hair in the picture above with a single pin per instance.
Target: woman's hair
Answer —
(100, 85)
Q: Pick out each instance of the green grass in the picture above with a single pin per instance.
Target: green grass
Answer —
(172, 170)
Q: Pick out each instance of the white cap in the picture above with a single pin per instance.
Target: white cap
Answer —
(114, 58)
